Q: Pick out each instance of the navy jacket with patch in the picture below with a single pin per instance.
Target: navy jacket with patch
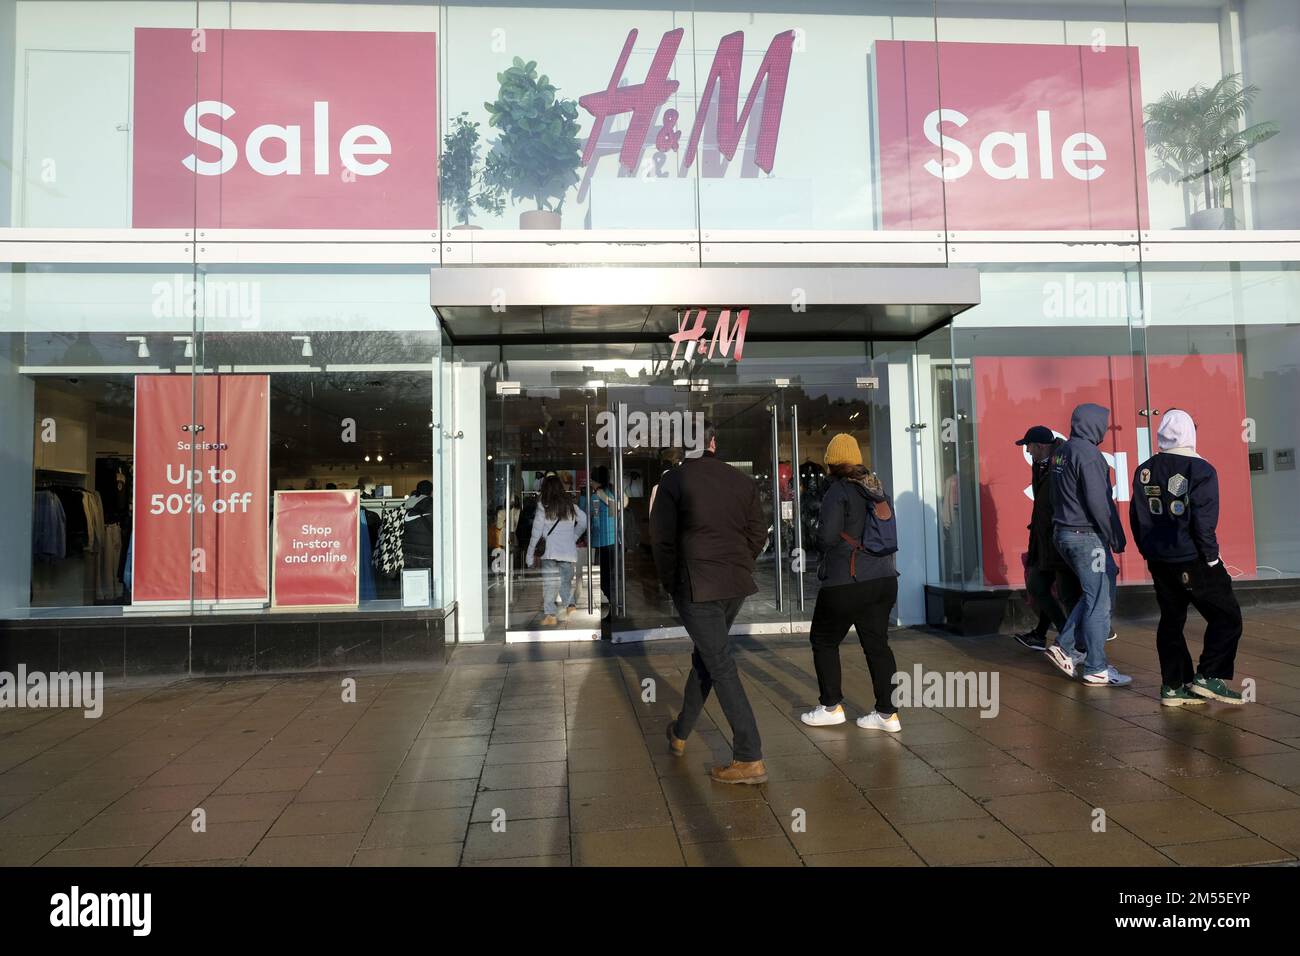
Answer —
(1175, 509)
(1081, 497)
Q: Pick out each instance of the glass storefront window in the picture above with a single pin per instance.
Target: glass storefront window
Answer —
(182, 428)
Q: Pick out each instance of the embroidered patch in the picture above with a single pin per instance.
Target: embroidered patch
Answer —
(1153, 491)
(1156, 506)
(1177, 507)
(1144, 476)
(1177, 484)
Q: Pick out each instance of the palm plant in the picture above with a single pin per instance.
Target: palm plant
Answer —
(1198, 136)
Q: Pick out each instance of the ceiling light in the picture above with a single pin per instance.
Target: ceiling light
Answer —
(143, 350)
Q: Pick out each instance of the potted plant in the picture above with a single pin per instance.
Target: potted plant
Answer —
(462, 180)
(536, 154)
(1197, 137)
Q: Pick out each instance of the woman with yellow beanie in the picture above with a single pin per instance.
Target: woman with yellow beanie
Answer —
(858, 587)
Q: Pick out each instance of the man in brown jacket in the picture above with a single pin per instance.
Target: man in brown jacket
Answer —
(708, 528)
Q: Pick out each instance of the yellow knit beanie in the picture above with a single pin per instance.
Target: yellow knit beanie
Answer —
(843, 450)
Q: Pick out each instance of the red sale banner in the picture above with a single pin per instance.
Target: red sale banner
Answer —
(303, 129)
(1014, 393)
(317, 544)
(1008, 136)
(202, 464)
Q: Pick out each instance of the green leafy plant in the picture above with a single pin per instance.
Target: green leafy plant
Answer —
(1197, 136)
(462, 179)
(537, 153)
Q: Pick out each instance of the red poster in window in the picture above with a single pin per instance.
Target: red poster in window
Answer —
(1008, 136)
(317, 544)
(285, 129)
(1013, 393)
(202, 459)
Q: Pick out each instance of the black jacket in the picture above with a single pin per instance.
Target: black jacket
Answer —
(1175, 509)
(417, 532)
(1042, 551)
(708, 527)
(844, 509)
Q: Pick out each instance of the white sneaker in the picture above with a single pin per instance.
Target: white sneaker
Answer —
(1063, 662)
(1107, 678)
(878, 721)
(824, 716)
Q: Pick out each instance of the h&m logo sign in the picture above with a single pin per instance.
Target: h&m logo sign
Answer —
(691, 328)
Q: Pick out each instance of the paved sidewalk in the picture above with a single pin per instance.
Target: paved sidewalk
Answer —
(556, 742)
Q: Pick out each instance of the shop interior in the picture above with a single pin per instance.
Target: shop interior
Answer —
(366, 430)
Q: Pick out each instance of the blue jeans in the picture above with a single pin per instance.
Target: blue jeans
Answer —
(557, 576)
(1091, 615)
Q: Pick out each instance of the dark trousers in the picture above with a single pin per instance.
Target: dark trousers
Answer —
(864, 605)
(605, 558)
(713, 667)
(1209, 590)
(1051, 611)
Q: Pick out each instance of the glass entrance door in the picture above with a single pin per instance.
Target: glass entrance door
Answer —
(660, 426)
(544, 457)
(608, 445)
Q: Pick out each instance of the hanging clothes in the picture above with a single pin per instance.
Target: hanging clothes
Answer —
(388, 559)
(74, 512)
(49, 527)
(366, 587)
(108, 586)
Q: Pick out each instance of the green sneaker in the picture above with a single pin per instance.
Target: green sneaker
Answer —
(1214, 689)
(1178, 696)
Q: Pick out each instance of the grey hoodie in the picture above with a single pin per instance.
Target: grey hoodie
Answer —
(1081, 480)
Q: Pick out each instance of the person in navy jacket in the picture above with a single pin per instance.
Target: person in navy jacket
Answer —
(1088, 534)
(1174, 513)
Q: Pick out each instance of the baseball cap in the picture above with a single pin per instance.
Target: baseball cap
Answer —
(1038, 433)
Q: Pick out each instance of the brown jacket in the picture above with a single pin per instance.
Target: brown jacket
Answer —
(707, 527)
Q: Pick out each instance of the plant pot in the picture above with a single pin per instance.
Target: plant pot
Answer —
(1212, 219)
(539, 219)
(464, 225)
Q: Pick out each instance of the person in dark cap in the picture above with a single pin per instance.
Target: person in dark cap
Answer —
(1044, 566)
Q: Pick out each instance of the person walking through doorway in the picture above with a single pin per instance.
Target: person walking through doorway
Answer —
(558, 523)
(708, 528)
(1174, 514)
(857, 538)
(604, 531)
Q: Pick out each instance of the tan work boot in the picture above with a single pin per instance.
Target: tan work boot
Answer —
(676, 747)
(740, 771)
(549, 621)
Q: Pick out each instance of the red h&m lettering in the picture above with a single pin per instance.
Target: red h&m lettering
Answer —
(725, 74)
(722, 334)
(644, 100)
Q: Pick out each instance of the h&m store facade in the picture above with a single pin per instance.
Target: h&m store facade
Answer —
(270, 266)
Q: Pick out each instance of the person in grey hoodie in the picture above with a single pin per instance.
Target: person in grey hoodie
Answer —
(1087, 532)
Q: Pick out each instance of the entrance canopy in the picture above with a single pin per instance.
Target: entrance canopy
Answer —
(488, 304)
